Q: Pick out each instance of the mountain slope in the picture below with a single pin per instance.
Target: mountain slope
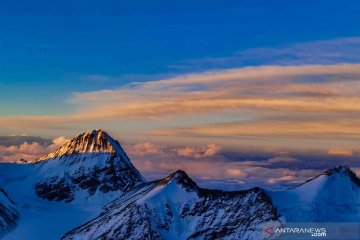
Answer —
(90, 163)
(9, 216)
(333, 196)
(176, 208)
(67, 187)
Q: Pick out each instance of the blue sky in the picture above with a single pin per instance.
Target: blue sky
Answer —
(48, 48)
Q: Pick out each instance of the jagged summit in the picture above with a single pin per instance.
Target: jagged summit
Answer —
(335, 191)
(343, 171)
(93, 162)
(178, 175)
(182, 179)
(95, 141)
(338, 171)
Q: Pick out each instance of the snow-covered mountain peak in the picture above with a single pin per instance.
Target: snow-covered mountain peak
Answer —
(343, 171)
(179, 174)
(92, 162)
(336, 190)
(336, 174)
(182, 179)
(96, 141)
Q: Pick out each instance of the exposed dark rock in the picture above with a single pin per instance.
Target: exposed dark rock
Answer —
(55, 190)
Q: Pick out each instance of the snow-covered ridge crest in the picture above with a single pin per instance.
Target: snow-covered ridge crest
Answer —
(182, 179)
(338, 171)
(96, 141)
(343, 171)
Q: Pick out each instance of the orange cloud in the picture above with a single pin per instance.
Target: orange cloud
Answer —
(208, 151)
(280, 179)
(145, 148)
(235, 173)
(343, 152)
(265, 88)
(272, 127)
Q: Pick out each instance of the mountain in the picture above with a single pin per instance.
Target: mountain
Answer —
(9, 216)
(176, 208)
(69, 186)
(333, 196)
(91, 163)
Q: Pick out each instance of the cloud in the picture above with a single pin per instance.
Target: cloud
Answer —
(308, 89)
(211, 150)
(203, 163)
(209, 165)
(283, 160)
(208, 151)
(28, 151)
(295, 128)
(315, 52)
(19, 139)
(281, 179)
(271, 169)
(343, 152)
(223, 172)
(235, 173)
(59, 141)
(146, 148)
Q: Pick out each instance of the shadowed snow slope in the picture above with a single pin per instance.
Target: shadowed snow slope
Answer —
(176, 208)
(9, 216)
(333, 196)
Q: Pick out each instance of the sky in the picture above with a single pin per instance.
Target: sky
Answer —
(234, 87)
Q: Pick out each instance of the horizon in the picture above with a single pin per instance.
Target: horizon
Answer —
(237, 94)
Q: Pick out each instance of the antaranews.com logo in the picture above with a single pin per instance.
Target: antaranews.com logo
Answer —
(293, 231)
(312, 232)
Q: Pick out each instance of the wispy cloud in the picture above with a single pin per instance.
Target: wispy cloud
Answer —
(315, 52)
(282, 127)
(311, 88)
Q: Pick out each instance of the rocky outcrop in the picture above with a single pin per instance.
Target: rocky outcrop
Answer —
(9, 216)
(91, 162)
